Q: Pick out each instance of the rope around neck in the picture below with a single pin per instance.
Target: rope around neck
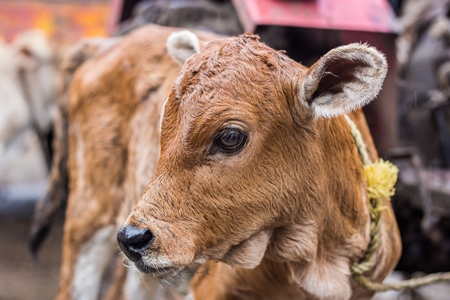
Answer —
(380, 178)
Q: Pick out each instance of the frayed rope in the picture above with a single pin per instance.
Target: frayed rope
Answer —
(381, 177)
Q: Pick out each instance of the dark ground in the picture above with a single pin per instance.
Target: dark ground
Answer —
(22, 278)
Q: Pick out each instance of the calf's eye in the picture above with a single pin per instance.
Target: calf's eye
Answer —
(229, 140)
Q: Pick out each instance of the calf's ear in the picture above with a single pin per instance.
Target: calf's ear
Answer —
(181, 45)
(344, 79)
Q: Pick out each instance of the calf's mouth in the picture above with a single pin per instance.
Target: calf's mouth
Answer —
(159, 252)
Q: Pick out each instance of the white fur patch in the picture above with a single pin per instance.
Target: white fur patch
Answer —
(141, 287)
(190, 296)
(181, 45)
(156, 261)
(136, 290)
(92, 262)
(328, 280)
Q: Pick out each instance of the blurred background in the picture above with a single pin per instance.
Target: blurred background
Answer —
(409, 120)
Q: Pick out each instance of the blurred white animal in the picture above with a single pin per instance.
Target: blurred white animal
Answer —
(28, 88)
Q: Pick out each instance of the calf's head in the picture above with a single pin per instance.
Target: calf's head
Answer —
(255, 160)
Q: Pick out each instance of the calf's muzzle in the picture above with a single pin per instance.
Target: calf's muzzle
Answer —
(134, 241)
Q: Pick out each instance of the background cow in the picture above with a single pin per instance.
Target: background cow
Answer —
(115, 91)
(28, 79)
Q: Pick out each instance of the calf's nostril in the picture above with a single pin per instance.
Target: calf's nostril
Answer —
(141, 241)
(134, 241)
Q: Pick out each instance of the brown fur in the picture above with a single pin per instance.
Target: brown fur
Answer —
(57, 190)
(298, 181)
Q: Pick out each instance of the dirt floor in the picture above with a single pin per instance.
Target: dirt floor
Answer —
(21, 278)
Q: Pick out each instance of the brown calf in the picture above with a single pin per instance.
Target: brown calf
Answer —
(259, 172)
